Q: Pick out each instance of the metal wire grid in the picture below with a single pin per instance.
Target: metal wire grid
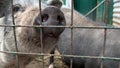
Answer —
(15, 38)
(71, 45)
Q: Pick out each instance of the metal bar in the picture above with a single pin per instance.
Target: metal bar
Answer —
(99, 11)
(118, 17)
(117, 6)
(105, 31)
(75, 56)
(116, 12)
(87, 27)
(71, 44)
(41, 40)
(117, 1)
(116, 20)
(104, 44)
(15, 38)
(94, 8)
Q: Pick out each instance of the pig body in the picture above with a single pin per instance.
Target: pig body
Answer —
(26, 12)
(88, 42)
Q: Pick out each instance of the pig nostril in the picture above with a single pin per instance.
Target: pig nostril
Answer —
(51, 34)
(16, 7)
(45, 17)
(59, 19)
(37, 21)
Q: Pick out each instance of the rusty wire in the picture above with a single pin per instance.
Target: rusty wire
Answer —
(75, 56)
(105, 30)
(86, 27)
(95, 8)
(41, 40)
(15, 38)
(71, 45)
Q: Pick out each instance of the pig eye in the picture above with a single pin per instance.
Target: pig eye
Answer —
(45, 17)
(16, 7)
(59, 18)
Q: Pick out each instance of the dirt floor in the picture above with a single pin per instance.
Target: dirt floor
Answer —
(37, 63)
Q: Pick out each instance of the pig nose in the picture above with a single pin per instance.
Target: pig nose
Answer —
(53, 22)
(37, 21)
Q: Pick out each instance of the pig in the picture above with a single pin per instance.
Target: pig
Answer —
(57, 3)
(88, 42)
(2, 7)
(26, 12)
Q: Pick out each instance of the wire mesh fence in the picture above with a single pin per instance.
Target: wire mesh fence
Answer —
(71, 27)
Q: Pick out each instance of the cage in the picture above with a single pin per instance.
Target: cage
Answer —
(98, 10)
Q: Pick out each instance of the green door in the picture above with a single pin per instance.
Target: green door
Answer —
(84, 6)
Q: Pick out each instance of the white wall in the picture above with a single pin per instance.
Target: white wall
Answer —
(68, 3)
(116, 13)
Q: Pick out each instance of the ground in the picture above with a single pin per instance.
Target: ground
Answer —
(37, 63)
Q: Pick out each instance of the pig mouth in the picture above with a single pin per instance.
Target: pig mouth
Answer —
(53, 35)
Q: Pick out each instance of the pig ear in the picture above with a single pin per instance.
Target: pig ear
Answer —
(57, 3)
(2, 8)
(4, 5)
(2, 14)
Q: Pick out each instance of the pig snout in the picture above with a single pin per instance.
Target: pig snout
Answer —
(51, 16)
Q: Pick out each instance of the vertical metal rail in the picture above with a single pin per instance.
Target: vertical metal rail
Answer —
(71, 41)
(103, 49)
(15, 38)
(41, 40)
(105, 30)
